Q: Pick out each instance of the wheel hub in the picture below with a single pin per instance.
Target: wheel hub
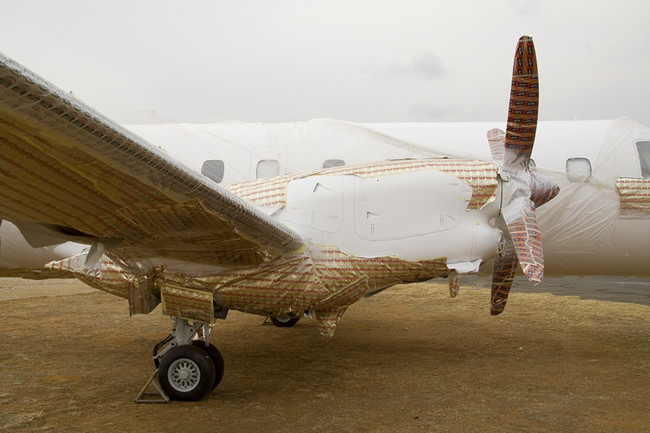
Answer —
(183, 375)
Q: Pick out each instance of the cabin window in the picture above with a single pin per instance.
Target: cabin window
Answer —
(267, 168)
(213, 169)
(644, 158)
(333, 163)
(578, 169)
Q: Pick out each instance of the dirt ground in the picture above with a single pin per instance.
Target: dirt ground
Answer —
(410, 359)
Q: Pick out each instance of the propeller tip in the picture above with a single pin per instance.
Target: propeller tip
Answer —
(534, 272)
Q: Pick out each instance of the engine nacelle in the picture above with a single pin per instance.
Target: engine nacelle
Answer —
(415, 216)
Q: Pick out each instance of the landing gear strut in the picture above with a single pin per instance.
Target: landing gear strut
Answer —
(188, 369)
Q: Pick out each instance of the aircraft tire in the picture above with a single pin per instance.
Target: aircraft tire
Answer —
(217, 360)
(186, 373)
(284, 323)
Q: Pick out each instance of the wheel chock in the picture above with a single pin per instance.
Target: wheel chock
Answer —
(157, 395)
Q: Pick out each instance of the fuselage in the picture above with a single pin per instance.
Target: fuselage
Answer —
(586, 229)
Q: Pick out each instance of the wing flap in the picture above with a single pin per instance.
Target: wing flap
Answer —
(64, 164)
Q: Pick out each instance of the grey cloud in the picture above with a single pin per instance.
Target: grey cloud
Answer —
(524, 8)
(426, 111)
(425, 65)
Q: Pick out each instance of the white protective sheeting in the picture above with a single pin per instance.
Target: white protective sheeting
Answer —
(582, 228)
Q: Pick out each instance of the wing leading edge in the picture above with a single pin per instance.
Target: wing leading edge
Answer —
(64, 165)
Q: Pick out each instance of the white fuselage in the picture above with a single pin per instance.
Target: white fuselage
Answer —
(584, 232)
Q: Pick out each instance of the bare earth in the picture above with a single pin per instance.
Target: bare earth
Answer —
(410, 359)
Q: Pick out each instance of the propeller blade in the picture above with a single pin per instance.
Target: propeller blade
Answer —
(526, 239)
(496, 138)
(523, 247)
(523, 107)
(503, 272)
(541, 190)
(522, 190)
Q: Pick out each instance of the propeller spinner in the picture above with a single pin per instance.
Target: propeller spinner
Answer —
(523, 190)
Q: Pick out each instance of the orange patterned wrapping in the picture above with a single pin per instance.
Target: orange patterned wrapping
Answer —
(481, 176)
(527, 241)
(503, 271)
(497, 139)
(323, 280)
(634, 194)
(111, 278)
(150, 223)
(286, 286)
(141, 298)
(318, 279)
(64, 164)
(522, 110)
(179, 301)
(190, 232)
(106, 275)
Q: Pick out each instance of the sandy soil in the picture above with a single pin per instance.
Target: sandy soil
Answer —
(408, 360)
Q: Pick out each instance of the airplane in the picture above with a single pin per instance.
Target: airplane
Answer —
(304, 228)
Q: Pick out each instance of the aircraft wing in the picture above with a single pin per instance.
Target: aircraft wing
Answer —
(68, 168)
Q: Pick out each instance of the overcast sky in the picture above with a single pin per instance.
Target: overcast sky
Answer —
(376, 60)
